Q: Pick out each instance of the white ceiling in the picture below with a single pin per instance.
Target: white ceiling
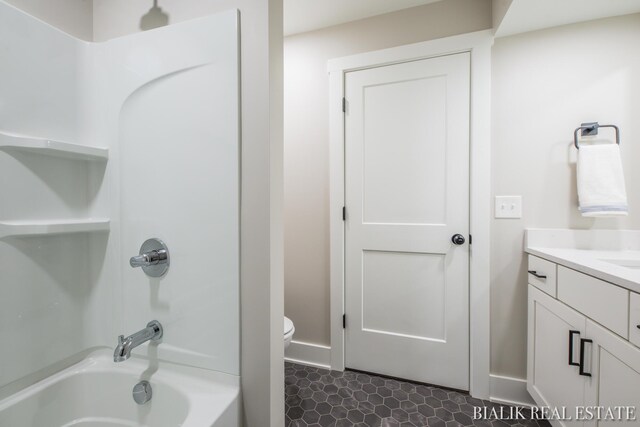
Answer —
(307, 15)
(529, 15)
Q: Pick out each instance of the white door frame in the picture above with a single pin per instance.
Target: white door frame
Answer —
(479, 45)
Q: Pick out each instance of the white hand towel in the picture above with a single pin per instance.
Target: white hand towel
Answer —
(601, 188)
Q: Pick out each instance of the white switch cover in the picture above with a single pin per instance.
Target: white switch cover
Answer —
(508, 207)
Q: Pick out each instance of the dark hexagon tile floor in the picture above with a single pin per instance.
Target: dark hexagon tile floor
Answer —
(322, 398)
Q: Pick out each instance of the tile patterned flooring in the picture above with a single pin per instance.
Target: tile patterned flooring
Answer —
(322, 398)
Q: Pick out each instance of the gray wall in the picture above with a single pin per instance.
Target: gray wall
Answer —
(74, 17)
(307, 139)
(499, 10)
(544, 86)
(540, 78)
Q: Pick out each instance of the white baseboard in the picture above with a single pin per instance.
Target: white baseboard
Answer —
(510, 391)
(315, 355)
(506, 390)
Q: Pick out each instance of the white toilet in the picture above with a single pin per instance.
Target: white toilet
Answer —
(289, 329)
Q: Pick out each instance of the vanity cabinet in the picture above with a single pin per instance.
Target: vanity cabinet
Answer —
(615, 373)
(634, 319)
(581, 348)
(542, 274)
(554, 335)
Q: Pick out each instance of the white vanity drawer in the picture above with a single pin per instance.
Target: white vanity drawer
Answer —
(634, 318)
(603, 302)
(542, 274)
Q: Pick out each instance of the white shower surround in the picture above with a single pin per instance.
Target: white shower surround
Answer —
(165, 103)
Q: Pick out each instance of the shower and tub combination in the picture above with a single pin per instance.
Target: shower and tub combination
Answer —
(119, 172)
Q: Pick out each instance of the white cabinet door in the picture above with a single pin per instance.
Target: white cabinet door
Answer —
(614, 365)
(407, 194)
(554, 332)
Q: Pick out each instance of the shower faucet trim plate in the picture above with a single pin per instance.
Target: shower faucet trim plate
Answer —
(153, 258)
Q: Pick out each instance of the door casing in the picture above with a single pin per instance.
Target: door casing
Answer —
(478, 44)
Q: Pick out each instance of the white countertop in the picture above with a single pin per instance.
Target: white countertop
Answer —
(598, 253)
(620, 267)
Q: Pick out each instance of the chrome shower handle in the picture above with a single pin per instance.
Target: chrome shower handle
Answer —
(153, 258)
(139, 261)
(146, 259)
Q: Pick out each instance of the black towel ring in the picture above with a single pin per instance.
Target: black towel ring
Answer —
(590, 129)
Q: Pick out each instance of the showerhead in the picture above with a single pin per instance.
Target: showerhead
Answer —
(154, 18)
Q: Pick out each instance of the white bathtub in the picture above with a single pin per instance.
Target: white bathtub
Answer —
(97, 393)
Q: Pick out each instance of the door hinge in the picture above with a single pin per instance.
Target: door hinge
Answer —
(344, 213)
(470, 239)
(344, 321)
(344, 105)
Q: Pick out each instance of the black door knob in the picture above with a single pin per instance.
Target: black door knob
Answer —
(458, 239)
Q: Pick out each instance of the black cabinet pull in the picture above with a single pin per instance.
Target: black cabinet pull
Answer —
(571, 334)
(539, 276)
(582, 342)
(638, 326)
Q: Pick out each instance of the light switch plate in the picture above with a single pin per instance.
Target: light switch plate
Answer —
(508, 207)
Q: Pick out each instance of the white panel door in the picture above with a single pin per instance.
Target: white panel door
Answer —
(614, 366)
(407, 194)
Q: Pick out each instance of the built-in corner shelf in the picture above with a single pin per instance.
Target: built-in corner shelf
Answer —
(40, 227)
(10, 142)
